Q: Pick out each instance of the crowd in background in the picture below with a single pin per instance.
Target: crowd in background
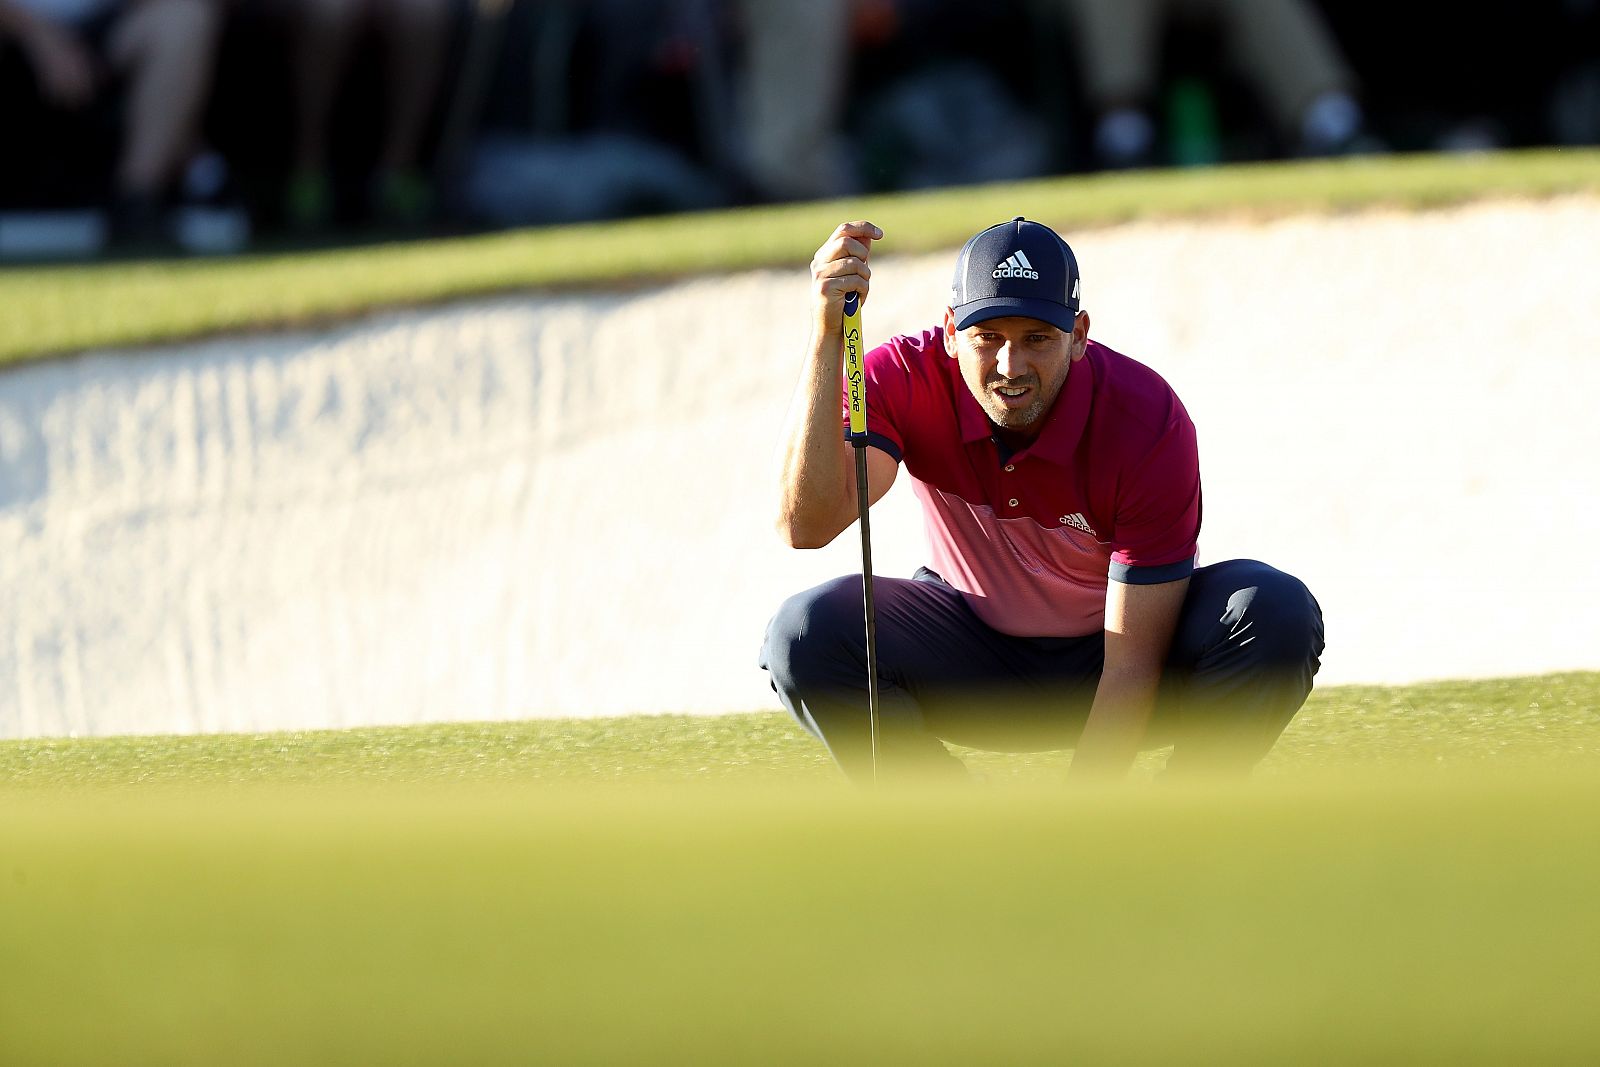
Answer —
(215, 124)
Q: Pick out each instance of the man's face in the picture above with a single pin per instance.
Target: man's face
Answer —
(1015, 366)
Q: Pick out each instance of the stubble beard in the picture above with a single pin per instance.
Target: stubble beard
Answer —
(1009, 419)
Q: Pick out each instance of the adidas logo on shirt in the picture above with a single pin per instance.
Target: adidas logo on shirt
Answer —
(1016, 265)
(1078, 522)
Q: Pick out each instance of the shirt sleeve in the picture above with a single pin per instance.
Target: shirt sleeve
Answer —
(889, 384)
(1157, 527)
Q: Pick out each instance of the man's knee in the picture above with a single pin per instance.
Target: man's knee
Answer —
(813, 632)
(1290, 618)
(1263, 647)
(1269, 617)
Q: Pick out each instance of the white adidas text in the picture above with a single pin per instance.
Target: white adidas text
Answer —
(1016, 265)
(1078, 522)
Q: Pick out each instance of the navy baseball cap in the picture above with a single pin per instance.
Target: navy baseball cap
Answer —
(1016, 268)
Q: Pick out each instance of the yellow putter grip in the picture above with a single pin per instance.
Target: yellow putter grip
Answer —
(855, 374)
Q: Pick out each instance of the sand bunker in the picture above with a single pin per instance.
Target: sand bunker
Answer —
(542, 506)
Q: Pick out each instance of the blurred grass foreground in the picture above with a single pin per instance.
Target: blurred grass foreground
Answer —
(1409, 878)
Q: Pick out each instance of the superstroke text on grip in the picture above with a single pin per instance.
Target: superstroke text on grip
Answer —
(855, 374)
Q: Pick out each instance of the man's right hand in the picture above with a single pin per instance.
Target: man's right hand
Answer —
(840, 268)
(817, 477)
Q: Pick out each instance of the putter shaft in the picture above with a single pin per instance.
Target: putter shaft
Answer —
(856, 380)
(863, 506)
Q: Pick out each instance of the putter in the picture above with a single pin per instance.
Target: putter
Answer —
(855, 374)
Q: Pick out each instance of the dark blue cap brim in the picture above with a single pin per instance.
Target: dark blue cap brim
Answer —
(998, 307)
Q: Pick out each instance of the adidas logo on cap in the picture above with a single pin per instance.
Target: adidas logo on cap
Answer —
(1018, 268)
(1015, 265)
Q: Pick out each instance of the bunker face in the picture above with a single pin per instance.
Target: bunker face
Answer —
(544, 506)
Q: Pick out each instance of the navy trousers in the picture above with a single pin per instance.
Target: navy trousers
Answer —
(1248, 642)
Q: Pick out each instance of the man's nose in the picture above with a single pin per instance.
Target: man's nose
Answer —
(1008, 361)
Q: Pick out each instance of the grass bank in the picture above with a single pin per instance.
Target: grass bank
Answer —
(49, 310)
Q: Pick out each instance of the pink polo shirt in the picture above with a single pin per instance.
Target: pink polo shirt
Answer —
(1110, 489)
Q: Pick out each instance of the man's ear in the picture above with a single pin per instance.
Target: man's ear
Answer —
(1080, 336)
(950, 332)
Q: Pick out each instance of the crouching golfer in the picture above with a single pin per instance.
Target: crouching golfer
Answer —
(1060, 485)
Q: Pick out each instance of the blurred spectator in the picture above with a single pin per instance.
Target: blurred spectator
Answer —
(597, 109)
(159, 52)
(562, 110)
(792, 87)
(1535, 81)
(792, 90)
(921, 95)
(1281, 46)
(415, 35)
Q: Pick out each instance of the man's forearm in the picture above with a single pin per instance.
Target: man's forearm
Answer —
(816, 480)
(1123, 706)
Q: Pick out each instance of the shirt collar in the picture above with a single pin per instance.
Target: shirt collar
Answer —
(1064, 424)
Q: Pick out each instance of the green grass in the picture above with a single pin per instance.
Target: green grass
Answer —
(459, 926)
(657, 890)
(48, 310)
(1546, 720)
